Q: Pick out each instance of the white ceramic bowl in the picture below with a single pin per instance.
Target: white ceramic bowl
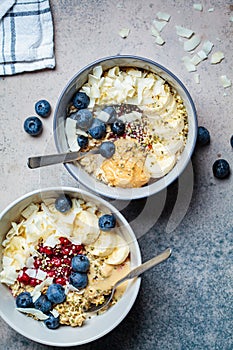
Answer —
(89, 181)
(94, 328)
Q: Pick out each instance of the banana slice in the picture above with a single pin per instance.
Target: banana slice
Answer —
(104, 245)
(86, 228)
(159, 167)
(120, 252)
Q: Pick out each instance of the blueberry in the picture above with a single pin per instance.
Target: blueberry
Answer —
(107, 222)
(24, 299)
(221, 169)
(203, 136)
(82, 141)
(107, 149)
(33, 126)
(112, 113)
(43, 304)
(63, 203)
(43, 108)
(118, 127)
(84, 118)
(81, 100)
(56, 293)
(231, 141)
(80, 263)
(78, 279)
(52, 322)
(97, 129)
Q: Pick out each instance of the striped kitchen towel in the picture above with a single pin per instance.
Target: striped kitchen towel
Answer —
(26, 36)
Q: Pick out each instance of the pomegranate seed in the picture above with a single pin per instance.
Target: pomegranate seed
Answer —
(66, 261)
(65, 250)
(64, 241)
(37, 263)
(51, 273)
(60, 280)
(40, 249)
(33, 282)
(66, 271)
(78, 248)
(24, 278)
(56, 261)
(48, 250)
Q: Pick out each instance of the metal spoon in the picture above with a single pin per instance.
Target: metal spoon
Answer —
(39, 161)
(133, 273)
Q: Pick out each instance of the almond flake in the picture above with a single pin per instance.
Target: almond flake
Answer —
(124, 32)
(183, 32)
(192, 43)
(225, 81)
(198, 7)
(163, 16)
(217, 57)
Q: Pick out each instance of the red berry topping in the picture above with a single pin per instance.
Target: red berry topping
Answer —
(48, 250)
(33, 282)
(24, 278)
(66, 261)
(37, 263)
(60, 280)
(51, 273)
(64, 241)
(66, 250)
(56, 261)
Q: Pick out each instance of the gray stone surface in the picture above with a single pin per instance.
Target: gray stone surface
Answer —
(185, 303)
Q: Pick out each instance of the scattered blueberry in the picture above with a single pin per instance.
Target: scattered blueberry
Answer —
(107, 222)
(43, 304)
(78, 279)
(63, 203)
(43, 108)
(33, 126)
(203, 136)
(118, 127)
(81, 100)
(80, 263)
(52, 322)
(112, 113)
(231, 141)
(82, 141)
(221, 169)
(24, 300)
(97, 129)
(84, 118)
(107, 149)
(56, 293)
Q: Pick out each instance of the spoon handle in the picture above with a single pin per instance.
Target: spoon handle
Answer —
(146, 265)
(39, 161)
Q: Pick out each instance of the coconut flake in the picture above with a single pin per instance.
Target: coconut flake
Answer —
(27, 212)
(211, 9)
(31, 311)
(55, 313)
(31, 273)
(207, 47)
(41, 275)
(163, 16)
(188, 64)
(154, 32)
(197, 78)
(124, 32)
(51, 241)
(159, 40)
(225, 81)
(198, 7)
(159, 25)
(183, 32)
(196, 59)
(192, 43)
(217, 57)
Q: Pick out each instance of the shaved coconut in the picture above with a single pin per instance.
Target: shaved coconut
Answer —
(130, 117)
(7, 261)
(202, 54)
(211, 9)
(41, 275)
(188, 64)
(8, 275)
(51, 241)
(183, 32)
(159, 40)
(159, 25)
(217, 57)
(31, 273)
(31, 311)
(163, 16)
(192, 43)
(197, 78)
(102, 115)
(154, 32)
(225, 81)
(207, 47)
(196, 59)
(198, 7)
(231, 19)
(37, 289)
(55, 313)
(26, 213)
(70, 127)
(97, 71)
(124, 32)
(30, 262)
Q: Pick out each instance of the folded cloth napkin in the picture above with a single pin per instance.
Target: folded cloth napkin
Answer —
(26, 36)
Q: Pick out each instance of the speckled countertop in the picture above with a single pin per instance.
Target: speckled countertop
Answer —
(185, 303)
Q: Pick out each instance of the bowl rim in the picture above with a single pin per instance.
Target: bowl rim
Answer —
(141, 192)
(134, 288)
